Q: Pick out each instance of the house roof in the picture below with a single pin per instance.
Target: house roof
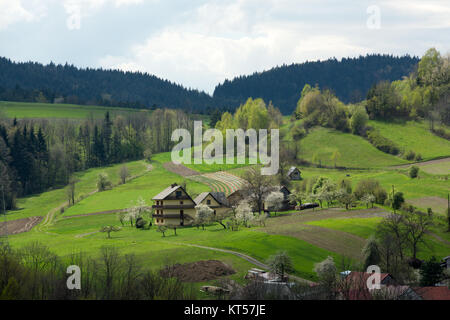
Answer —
(355, 276)
(433, 293)
(284, 187)
(218, 196)
(221, 197)
(292, 170)
(168, 191)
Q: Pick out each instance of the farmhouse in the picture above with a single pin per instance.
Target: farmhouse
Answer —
(175, 207)
(215, 200)
(294, 174)
(236, 197)
(286, 205)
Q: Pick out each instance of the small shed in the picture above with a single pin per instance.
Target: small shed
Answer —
(294, 174)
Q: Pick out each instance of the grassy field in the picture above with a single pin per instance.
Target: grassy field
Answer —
(414, 136)
(41, 204)
(155, 251)
(60, 111)
(355, 151)
(365, 227)
(147, 186)
(426, 186)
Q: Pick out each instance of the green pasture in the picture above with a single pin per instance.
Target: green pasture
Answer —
(415, 136)
(22, 110)
(355, 151)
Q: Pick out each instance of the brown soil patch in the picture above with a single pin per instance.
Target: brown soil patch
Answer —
(436, 203)
(199, 271)
(344, 243)
(180, 169)
(19, 226)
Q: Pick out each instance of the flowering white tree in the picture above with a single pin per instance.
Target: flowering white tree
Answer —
(244, 213)
(367, 199)
(136, 211)
(274, 201)
(203, 215)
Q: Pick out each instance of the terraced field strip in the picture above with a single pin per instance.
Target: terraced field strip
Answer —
(232, 182)
(215, 185)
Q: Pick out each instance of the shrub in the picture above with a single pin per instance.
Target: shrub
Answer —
(140, 223)
(382, 143)
(103, 182)
(358, 121)
(418, 157)
(441, 133)
(380, 195)
(410, 155)
(413, 172)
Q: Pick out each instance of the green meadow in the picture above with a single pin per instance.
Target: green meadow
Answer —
(41, 204)
(146, 186)
(22, 110)
(415, 136)
(355, 152)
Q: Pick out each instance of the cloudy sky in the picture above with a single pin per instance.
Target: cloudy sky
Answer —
(199, 43)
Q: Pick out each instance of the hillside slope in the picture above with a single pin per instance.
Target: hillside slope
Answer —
(414, 136)
(355, 151)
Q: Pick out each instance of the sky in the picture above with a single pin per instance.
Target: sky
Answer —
(200, 43)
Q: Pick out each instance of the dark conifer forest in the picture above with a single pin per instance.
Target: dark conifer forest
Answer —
(350, 79)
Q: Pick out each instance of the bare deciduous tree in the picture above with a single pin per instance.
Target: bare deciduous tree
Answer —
(257, 187)
(124, 173)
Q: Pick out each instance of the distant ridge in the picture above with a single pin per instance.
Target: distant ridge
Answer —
(349, 78)
(24, 81)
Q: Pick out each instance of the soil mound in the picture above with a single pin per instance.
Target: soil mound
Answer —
(198, 271)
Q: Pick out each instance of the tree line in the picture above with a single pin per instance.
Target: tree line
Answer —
(36, 155)
(35, 82)
(34, 272)
(349, 78)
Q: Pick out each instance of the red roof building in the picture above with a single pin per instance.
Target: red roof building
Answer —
(433, 293)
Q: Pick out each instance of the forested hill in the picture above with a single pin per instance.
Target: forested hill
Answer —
(67, 84)
(350, 79)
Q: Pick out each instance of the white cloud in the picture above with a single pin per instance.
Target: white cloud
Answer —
(78, 9)
(13, 11)
(419, 14)
(219, 41)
